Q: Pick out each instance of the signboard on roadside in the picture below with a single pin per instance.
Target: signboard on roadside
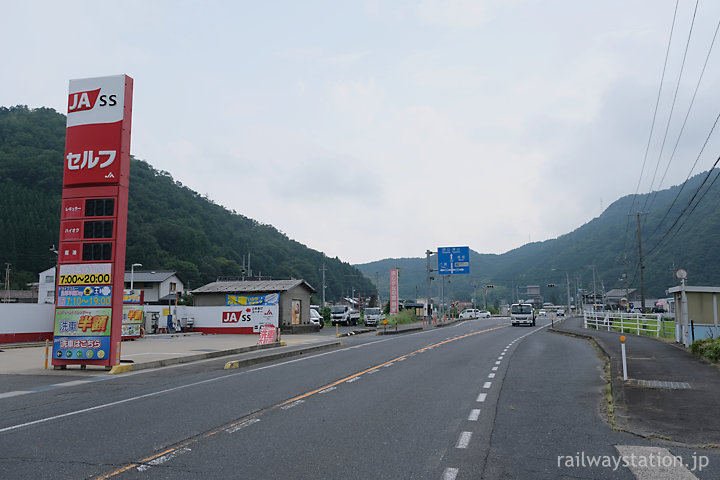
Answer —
(453, 260)
(93, 222)
(268, 335)
(394, 291)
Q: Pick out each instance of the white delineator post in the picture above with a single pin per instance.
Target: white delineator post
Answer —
(624, 360)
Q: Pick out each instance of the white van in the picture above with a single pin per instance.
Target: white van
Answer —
(522, 314)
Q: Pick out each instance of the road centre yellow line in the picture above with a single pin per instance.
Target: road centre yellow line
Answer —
(279, 405)
(355, 375)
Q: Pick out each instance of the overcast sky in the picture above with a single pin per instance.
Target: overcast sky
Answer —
(375, 129)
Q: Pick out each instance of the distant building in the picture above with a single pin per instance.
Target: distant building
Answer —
(614, 296)
(46, 286)
(19, 296)
(293, 304)
(159, 286)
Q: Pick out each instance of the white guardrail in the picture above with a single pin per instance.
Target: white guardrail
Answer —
(646, 324)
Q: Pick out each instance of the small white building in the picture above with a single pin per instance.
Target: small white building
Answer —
(46, 286)
(158, 286)
(696, 303)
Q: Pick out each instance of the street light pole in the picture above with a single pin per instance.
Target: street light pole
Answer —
(132, 275)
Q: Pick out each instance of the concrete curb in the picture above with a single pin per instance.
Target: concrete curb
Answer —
(123, 368)
(275, 356)
(354, 332)
(400, 331)
(127, 367)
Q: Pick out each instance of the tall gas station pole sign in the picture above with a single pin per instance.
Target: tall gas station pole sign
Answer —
(93, 223)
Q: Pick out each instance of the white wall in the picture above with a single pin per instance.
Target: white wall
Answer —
(26, 318)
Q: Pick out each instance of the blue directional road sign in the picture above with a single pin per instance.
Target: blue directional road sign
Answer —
(453, 260)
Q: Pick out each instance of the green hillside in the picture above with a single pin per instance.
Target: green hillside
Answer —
(169, 225)
(607, 244)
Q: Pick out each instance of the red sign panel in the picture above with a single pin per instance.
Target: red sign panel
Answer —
(394, 291)
(71, 230)
(70, 252)
(97, 122)
(93, 225)
(91, 154)
(72, 208)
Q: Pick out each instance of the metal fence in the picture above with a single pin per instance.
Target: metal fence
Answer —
(632, 323)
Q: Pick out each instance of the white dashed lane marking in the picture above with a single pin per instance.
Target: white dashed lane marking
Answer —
(450, 474)
(464, 440)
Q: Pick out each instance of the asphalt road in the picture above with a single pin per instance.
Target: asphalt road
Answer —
(479, 399)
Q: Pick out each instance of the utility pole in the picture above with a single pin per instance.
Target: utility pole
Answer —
(642, 266)
(7, 282)
(429, 279)
(377, 287)
(474, 285)
(567, 279)
(323, 270)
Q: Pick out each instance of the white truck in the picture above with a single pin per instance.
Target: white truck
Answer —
(373, 316)
(343, 315)
(522, 314)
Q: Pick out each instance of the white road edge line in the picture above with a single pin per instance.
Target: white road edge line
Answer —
(179, 387)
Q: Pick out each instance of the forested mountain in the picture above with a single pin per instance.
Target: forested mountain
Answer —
(169, 225)
(173, 227)
(681, 229)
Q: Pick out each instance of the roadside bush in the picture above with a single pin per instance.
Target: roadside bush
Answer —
(708, 348)
(405, 316)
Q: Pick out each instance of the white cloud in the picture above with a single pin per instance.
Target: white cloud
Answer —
(454, 14)
(404, 125)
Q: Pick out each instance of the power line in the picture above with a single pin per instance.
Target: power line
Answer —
(692, 210)
(667, 233)
(657, 101)
(652, 125)
(682, 187)
(672, 106)
(687, 114)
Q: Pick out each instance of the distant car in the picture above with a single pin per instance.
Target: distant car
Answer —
(484, 314)
(470, 313)
(561, 312)
(522, 314)
(373, 316)
(542, 312)
(316, 318)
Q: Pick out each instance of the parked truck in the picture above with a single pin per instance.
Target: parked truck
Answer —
(343, 315)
